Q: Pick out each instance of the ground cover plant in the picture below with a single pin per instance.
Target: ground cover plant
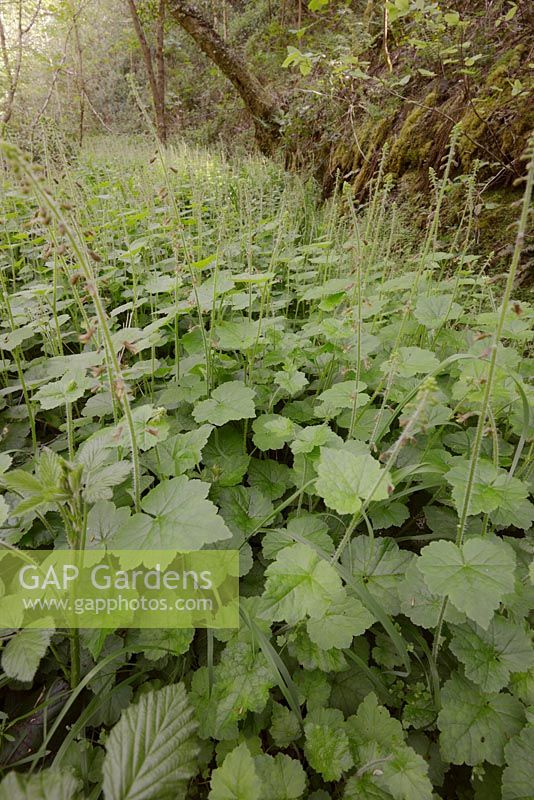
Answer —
(345, 402)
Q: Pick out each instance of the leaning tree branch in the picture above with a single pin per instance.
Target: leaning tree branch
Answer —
(262, 105)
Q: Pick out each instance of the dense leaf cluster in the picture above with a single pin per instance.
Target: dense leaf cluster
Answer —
(306, 391)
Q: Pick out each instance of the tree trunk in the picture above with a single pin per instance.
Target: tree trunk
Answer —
(80, 80)
(10, 93)
(13, 71)
(260, 103)
(160, 71)
(156, 81)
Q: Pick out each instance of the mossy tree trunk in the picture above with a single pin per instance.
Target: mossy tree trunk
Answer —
(261, 104)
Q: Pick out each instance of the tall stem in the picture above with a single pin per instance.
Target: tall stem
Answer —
(21, 165)
(74, 658)
(70, 431)
(18, 363)
(475, 452)
(392, 457)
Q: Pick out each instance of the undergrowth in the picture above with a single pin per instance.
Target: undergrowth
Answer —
(354, 402)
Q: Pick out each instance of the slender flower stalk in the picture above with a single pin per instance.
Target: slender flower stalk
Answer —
(22, 166)
(391, 454)
(488, 386)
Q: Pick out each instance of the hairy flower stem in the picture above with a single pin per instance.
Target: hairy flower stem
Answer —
(392, 457)
(74, 658)
(21, 165)
(484, 411)
(431, 237)
(18, 363)
(185, 250)
(357, 302)
(70, 431)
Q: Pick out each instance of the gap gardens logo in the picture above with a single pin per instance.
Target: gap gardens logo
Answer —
(119, 588)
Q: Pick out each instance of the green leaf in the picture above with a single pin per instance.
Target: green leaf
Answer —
(522, 686)
(68, 389)
(299, 583)
(270, 477)
(513, 511)
(377, 739)
(151, 752)
(285, 727)
(517, 87)
(103, 521)
(372, 723)
(489, 656)
(214, 286)
(492, 488)
(406, 776)
(434, 310)
(311, 656)
(419, 710)
(235, 335)
(12, 339)
(363, 787)
(150, 424)
(282, 777)
(302, 60)
(380, 566)
(518, 775)
(470, 387)
(188, 389)
(4, 510)
(384, 651)
(433, 415)
(98, 405)
(224, 456)
(156, 643)
(452, 18)
(308, 526)
(99, 486)
(23, 653)
(241, 683)
(5, 462)
(510, 14)
(419, 604)
(177, 517)
(475, 576)
(109, 713)
(49, 784)
(327, 745)
(345, 479)
(426, 73)
(313, 688)
(101, 470)
(20, 481)
(310, 437)
(389, 515)
(339, 623)
(291, 381)
(409, 361)
(475, 725)
(243, 508)
(43, 488)
(229, 401)
(339, 396)
(272, 431)
(179, 453)
(237, 778)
